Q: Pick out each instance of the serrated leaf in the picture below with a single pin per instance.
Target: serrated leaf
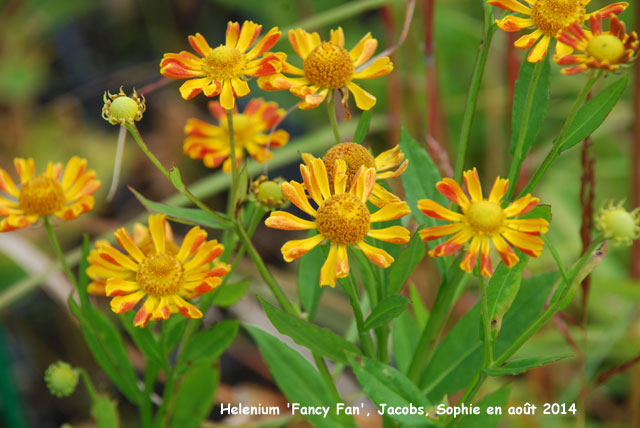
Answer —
(185, 215)
(406, 263)
(309, 290)
(363, 127)
(229, 294)
(297, 378)
(484, 419)
(389, 308)
(385, 385)
(539, 104)
(320, 340)
(522, 365)
(209, 344)
(195, 395)
(592, 114)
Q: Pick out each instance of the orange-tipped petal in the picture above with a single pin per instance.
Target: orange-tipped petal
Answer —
(469, 259)
(498, 190)
(287, 221)
(452, 191)
(393, 234)
(378, 256)
(437, 232)
(291, 250)
(525, 242)
(435, 210)
(122, 304)
(390, 211)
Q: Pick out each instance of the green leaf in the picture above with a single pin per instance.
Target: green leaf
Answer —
(229, 294)
(502, 290)
(405, 333)
(459, 356)
(105, 412)
(363, 127)
(83, 278)
(419, 309)
(297, 378)
(176, 179)
(406, 263)
(388, 308)
(196, 395)
(419, 182)
(539, 104)
(108, 349)
(387, 387)
(497, 399)
(309, 289)
(592, 114)
(185, 215)
(320, 340)
(209, 344)
(143, 338)
(522, 365)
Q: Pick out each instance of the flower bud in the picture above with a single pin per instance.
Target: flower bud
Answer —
(268, 193)
(61, 379)
(618, 224)
(120, 109)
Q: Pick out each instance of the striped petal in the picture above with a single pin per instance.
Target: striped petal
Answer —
(186, 308)
(342, 262)
(363, 183)
(452, 191)
(199, 44)
(437, 232)
(240, 87)
(319, 176)
(511, 5)
(472, 181)
(526, 41)
(521, 206)
(145, 312)
(453, 244)
(390, 211)
(378, 256)
(287, 221)
(295, 193)
(393, 234)
(120, 287)
(122, 304)
(25, 168)
(312, 185)
(498, 190)
(512, 23)
(193, 87)
(191, 243)
(525, 242)
(435, 210)
(507, 255)
(114, 256)
(162, 310)
(485, 258)
(538, 52)
(126, 242)
(535, 226)
(469, 259)
(291, 250)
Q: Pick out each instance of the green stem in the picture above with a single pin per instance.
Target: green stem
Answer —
(264, 272)
(518, 155)
(365, 339)
(331, 110)
(146, 407)
(88, 383)
(555, 150)
(558, 260)
(472, 98)
(234, 165)
(326, 376)
(59, 254)
(133, 130)
(486, 325)
(432, 331)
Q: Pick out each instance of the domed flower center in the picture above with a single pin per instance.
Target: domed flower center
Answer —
(619, 224)
(160, 275)
(343, 219)
(329, 66)
(485, 217)
(553, 16)
(353, 154)
(123, 108)
(41, 196)
(223, 63)
(606, 47)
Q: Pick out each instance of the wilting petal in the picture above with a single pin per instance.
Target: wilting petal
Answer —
(380, 67)
(295, 193)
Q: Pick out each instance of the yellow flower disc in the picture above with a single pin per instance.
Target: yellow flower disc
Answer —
(353, 154)
(485, 217)
(41, 196)
(606, 47)
(343, 219)
(223, 63)
(553, 16)
(160, 275)
(329, 66)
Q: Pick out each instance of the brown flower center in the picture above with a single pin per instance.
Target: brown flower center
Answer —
(329, 66)
(160, 275)
(353, 154)
(553, 16)
(343, 219)
(224, 63)
(41, 196)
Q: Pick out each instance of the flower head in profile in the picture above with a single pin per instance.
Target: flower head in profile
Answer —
(328, 66)
(342, 218)
(223, 70)
(548, 18)
(268, 193)
(605, 50)
(251, 130)
(61, 192)
(163, 276)
(482, 221)
(616, 223)
(119, 108)
(388, 164)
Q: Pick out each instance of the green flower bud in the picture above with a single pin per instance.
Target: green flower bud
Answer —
(119, 109)
(618, 224)
(61, 379)
(268, 193)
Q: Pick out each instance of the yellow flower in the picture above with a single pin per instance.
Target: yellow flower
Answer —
(64, 194)
(355, 156)
(223, 70)
(328, 66)
(619, 224)
(164, 276)
(483, 220)
(251, 130)
(342, 218)
(606, 50)
(549, 18)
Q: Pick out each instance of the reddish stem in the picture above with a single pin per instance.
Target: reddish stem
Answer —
(394, 92)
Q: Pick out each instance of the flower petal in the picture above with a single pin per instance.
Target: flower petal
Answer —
(507, 255)
(126, 242)
(453, 244)
(469, 259)
(363, 50)
(378, 256)
(435, 210)
(390, 211)
(512, 23)
(339, 176)
(199, 44)
(227, 98)
(485, 258)
(511, 5)
(393, 234)
(191, 243)
(186, 308)
(525, 242)
(295, 193)
(328, 273)
(538, 52)
(472, 181)
(364, 100)
(521, 206)
(122, 304)
(380, 67)
(526, 41)
(437, 232)
(119, 287)
(536, 226)
(452, 191)
(293, 249)
(287, 221)
(498, 190)
(145, 312)
(157, 229)
(193, 87)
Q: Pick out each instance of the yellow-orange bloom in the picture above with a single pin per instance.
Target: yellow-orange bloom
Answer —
(342, 218)
(328, 66)
(62, 193)
(223, 70)
(483, 220)
(549, 18)
(251, 130)
(165, 274)
(605, 50)
(388, 164)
